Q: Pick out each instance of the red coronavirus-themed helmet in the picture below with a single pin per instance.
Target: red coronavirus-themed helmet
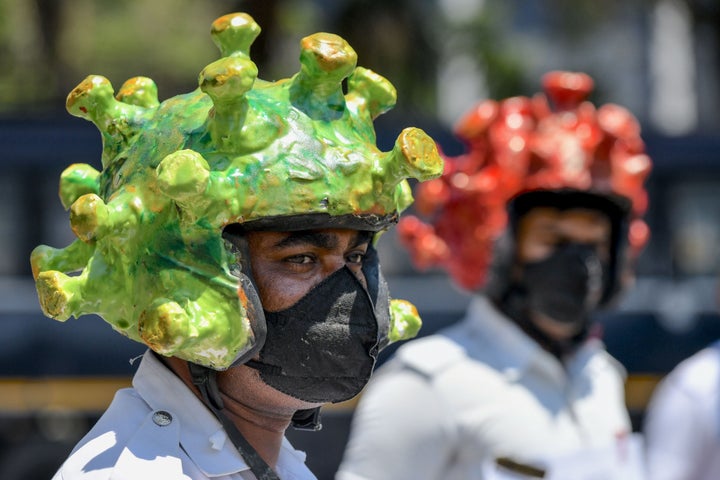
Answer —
(556, 141)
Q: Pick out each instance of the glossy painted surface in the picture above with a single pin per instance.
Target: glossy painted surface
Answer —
(149, 256)
(553, 140)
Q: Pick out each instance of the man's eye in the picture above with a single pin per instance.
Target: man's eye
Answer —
(300, 259)
(356, 258)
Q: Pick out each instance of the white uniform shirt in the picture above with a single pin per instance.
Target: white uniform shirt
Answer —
(682, 424)
(448, 405)
(160, 430)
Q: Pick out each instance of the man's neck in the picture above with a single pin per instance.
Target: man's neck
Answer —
(264, 430)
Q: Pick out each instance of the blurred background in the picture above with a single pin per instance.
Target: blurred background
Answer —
(659, 58)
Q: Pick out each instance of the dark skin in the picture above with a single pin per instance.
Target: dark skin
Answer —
(286, 266)
(542, 228)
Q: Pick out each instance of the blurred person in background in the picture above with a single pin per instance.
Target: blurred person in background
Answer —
(232, 231)
(541, 220)
(681, 427)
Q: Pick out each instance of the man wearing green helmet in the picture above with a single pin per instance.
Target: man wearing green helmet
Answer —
(232, 230)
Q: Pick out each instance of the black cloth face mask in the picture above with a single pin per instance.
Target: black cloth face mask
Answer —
(566, 286)
(324, 347)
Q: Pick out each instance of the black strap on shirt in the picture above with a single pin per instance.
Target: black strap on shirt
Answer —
(206, 380)
(525, 470)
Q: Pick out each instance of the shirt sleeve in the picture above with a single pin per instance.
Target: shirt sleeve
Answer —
(399, 430)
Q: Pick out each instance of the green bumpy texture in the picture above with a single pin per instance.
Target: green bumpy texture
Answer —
(149, 256)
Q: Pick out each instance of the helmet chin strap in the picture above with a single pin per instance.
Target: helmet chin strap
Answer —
(205, 379)
(308, 420)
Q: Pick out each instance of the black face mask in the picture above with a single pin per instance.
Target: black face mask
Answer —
(567, 285)
(323, 348)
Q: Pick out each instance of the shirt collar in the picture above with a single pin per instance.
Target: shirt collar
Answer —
(201, 434)
(513, 351)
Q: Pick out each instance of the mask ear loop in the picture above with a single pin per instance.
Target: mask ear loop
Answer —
(242, 270)
(307, 420)
(379, 293)
(205, 380)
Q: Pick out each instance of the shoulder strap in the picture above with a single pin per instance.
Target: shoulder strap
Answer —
(430, 355)
(206, 380)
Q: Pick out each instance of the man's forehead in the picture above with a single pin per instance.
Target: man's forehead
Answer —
(553, 214)
(553, 221)
(322, 238)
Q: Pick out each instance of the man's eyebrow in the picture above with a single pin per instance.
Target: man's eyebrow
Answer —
(362, 237)
(319, 239)
(546, 224)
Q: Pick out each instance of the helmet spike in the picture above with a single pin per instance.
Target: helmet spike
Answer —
(68, 259)
(366, 87)
(227, 80)
(233, 124)
(118, 122)
(405, 320)
(140, 91)
(162, 324)
(567, 90)
(234, 33)
(77, 180)
(184, 177)
(58, 294)
(326, 60)
(171, 327)
(414, 155)
(93, 100)
(88, 217)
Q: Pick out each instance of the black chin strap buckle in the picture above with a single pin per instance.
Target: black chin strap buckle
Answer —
(307, 420)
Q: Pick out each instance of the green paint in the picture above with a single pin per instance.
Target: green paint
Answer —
(150, 254)
(405, 321)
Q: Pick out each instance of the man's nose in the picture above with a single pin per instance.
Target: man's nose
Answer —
(336, 264)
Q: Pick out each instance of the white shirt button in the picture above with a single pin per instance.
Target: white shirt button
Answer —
(162, 418)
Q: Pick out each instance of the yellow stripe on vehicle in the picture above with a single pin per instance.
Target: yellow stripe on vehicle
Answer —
(639, 387)
(59, 393)
(96, 393)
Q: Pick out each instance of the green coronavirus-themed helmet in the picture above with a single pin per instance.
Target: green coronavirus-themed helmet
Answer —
(298, 153)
